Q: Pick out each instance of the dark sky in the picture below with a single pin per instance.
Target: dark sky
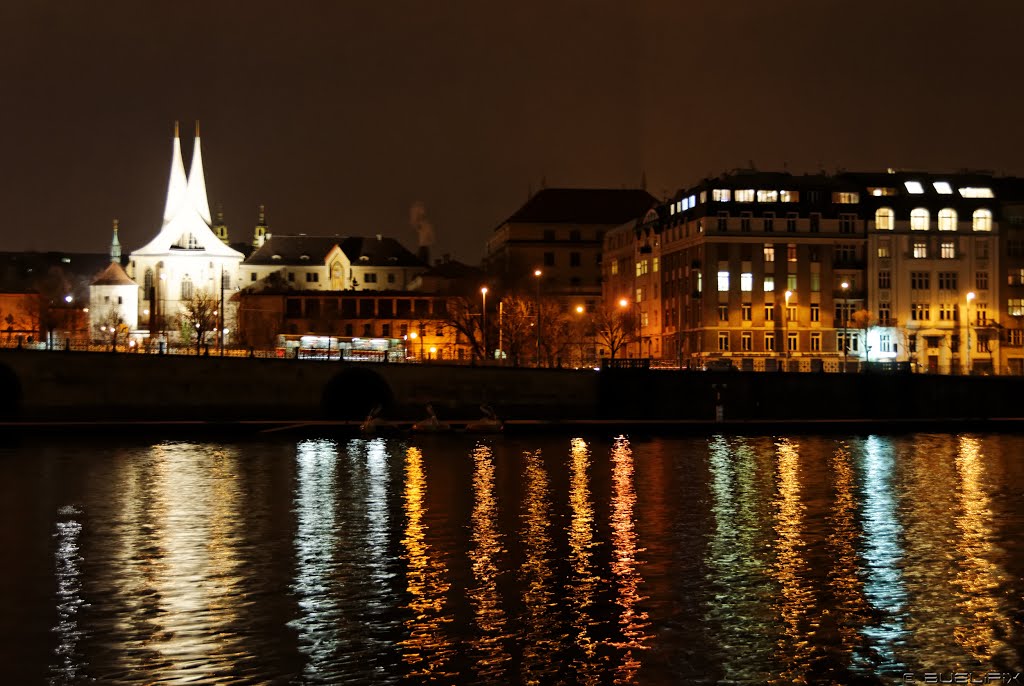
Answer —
(339, 115)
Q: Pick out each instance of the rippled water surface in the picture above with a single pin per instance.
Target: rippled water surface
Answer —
(512, 560)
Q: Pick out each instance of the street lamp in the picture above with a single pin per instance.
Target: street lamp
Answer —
(483, 325)
(412, 337)
(580, 310)
(785, 322)
(537, 274)
(846, 344)
(970, 297)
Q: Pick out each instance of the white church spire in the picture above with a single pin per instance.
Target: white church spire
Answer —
(177, 186)
(196, 188)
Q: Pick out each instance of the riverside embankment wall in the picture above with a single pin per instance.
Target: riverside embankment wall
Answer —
(73, 386)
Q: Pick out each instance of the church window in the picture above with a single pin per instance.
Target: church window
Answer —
(186, 288)
(148, 281)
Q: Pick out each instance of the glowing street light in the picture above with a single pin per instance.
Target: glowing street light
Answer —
(970, 297)
(846, 344)
(537, 274)
(483, 324)
(785, 322)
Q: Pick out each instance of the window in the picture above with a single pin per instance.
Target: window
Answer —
(981, 249)
(920, 250)
(884, 249)
(885, 279)
(391, 278)
(947, 312)
(846, 198)
(983, 346)
(768, 222)
(723, 221)
(815, 312)
(370, 277)
(291, 276)
(879, 192)
(252, 276)
(574, 259)
(767, 196)
(920, 281)
(981, 281)
(789, 196)
(769, 341)
(769, 284)
(815, 222)
(313, 277)
(769, 312)
(791, 222)
(914, 187)
(549, 234)
(654, 265)
(1015, 277)
(769, 252)
(746, 341)
(816, 342)
(919, 219)
(947, 250)
(947, 220)
(1015, 337)
(791, 282)
(746, 309)
(791, 313)
(641, 267)
(723, 281)
(843, 313)
(885, 343)
(976, 193)
(148, 281)
(574, 235)
(791, 252)
(723, 313)
(982, 311)
(186, 288)
(639, 295)
(549, 259)
(745, 221)
(982, 220)
(615, 267)
(746, 282)
(847, 223)
(721, 195)
(723, 341)
(884, 314)
(745, 195)
(919, 312)
(791, 341)
(884, 219)
(947, 281)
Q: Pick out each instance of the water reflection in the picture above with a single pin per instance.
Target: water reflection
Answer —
(489, 641)
(986, 629)
(633, 621)
(536, 574)
(69, 667)
(427, 648)
(583, 582)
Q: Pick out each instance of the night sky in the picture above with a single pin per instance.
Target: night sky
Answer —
(338, 116)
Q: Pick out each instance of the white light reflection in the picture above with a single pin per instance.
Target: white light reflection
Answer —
(315, 542)
(883, 555)
(378, 484)
(70, 664)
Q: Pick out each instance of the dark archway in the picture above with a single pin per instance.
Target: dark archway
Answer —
(10, 394)
(352, 393)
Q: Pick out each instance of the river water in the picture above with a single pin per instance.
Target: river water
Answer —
(538, 559)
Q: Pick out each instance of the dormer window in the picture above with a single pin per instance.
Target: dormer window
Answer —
(364, 258)
(187, 241)
(304, 258)
(275, 257)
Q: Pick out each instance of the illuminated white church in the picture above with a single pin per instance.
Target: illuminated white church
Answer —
(186, 256)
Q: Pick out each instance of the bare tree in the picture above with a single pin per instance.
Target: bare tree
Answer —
(110, 327)
(555, 334)
(517, 322)
(198, 316)
(460, 315)
(614, 327)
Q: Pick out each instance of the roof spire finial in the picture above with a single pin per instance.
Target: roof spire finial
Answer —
(115, 247)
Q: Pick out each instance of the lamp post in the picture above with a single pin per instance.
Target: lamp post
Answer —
(537, 274)
(785, 321)
(501, 331)
(580, 310)
(483, 324)
(220, 328)
(412, 337)
(970, 297)
(846, 344)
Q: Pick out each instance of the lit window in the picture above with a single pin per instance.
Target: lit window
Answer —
(654, 265)
(880, 192)
(791, 282)
(769, 252)
(976, 193)
(947, 219)
(703, 197)
(767, 196)
(947, 250)
(815, 282)
(746, 282)
(746, 195)
(1015, 307)
(721, 195)
(723, 281)
(692, 201)
(844, 198)
(920, 250)
(942, 188)
(914, 187)
(791, 252)
(615, 267)
(884, 249)
(789, 196)
(884, 219)
(982, 220)
(919, 219)
(639, 295)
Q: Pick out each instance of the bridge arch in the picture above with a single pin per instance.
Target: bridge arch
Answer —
(353, 392)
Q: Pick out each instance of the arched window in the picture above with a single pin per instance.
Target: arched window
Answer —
(982, 220)
(186, 288)
(884, 219)
(147, 282)
(919, 219)
(947, 219)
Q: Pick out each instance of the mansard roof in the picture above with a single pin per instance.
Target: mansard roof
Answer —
(303, 250)
(583, 206)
